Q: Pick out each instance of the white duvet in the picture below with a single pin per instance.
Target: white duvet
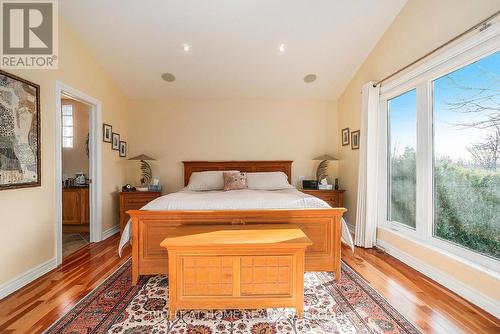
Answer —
(186, 200)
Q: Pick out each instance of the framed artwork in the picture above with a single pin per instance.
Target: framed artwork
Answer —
(355, 140)
(123, 148)
(20, 157)
(107, 130)
(345, 136)
(115, 141)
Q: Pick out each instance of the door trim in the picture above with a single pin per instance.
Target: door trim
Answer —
(95, 164)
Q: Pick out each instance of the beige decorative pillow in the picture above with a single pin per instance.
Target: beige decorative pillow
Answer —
(235, 180)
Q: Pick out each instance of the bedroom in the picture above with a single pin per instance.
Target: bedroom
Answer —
(275, 83)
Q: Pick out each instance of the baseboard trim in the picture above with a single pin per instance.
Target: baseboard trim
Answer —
(472, 295)
(27, 277)
(110, 232)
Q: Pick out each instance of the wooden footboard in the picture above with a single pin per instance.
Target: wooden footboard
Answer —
(149, 228)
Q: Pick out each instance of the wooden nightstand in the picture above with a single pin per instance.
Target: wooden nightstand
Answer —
(335, 198)
(134, 200)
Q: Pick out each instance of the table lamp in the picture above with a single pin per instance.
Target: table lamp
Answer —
(146, 173)
(323, 166)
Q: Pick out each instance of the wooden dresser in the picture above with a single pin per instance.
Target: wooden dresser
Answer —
(334, 198)
(134, 200)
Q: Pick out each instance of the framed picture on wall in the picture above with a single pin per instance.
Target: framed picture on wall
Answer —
(123, 149)
(20, 157)
(345, 136)
(107, 130)
(355, 140)
(115, 141)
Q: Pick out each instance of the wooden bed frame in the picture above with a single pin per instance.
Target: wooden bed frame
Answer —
(149, 228)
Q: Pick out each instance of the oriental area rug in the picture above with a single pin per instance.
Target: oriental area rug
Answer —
(348, 306)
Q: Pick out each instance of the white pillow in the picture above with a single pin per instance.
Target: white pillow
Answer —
(204, 181)
(268, 181)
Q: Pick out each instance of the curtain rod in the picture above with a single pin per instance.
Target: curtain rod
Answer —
(483, 25)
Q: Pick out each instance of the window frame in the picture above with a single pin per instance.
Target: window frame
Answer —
(68, 126)
(388, 169)
(421, 78)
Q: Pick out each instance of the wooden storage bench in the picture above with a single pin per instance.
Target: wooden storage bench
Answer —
(236, 267)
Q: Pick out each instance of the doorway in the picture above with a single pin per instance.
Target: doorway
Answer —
(75, 120)
(78, 170)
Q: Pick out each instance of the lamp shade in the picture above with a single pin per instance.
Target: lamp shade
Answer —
(325, 157)
(142, 157)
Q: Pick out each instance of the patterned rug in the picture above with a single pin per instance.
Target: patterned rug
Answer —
(350, 306)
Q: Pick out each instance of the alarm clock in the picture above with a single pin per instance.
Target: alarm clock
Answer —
(309, 184)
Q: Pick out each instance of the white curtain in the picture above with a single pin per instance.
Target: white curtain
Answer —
(366, 212)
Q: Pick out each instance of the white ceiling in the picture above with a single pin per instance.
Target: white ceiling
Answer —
(234, 44)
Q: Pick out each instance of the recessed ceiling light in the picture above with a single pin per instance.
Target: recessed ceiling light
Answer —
(186, 47)
(281, 48)
(168, 77)
(310, 78)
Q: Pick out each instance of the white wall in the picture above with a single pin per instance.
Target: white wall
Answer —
(27, 216)
(75, 159)
(173, 131)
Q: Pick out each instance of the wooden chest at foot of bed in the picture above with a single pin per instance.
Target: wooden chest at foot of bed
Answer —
(236, 267)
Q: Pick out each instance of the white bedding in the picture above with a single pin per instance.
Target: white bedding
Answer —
(234, 200)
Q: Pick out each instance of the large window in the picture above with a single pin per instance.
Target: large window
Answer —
(402, 118)
(467, 156)
(440, 160)
(67, 126)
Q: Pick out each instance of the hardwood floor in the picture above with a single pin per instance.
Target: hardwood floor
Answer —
(36, 306)
(427, 304)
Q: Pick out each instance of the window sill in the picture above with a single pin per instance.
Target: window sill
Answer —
(464, 256)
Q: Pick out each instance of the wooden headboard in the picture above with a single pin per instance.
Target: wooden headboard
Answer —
(284, 166)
